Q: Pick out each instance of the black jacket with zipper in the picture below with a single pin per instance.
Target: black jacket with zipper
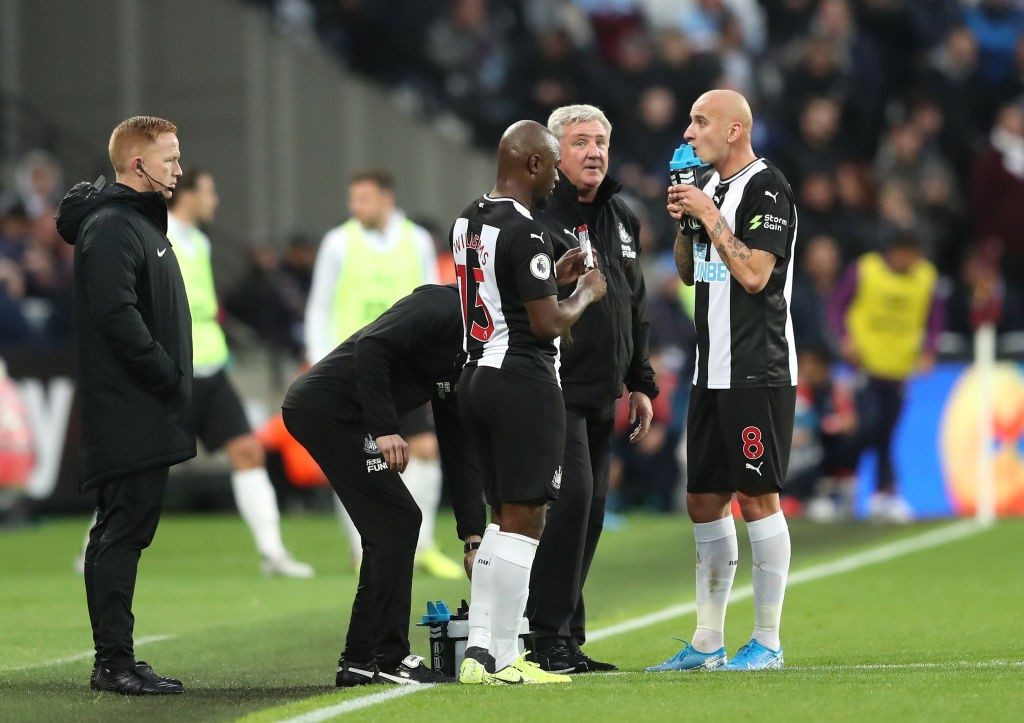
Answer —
(133, 333)
(609, 342)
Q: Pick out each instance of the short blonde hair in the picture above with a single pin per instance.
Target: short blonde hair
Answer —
(570, 114)
(132, 133)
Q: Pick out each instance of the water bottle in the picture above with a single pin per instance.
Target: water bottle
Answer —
(683, 169)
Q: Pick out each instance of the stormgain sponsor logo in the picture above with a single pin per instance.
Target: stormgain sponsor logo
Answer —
(770, 222)
(710, 272)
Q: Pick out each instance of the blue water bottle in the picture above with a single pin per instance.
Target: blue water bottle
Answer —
(683, 169)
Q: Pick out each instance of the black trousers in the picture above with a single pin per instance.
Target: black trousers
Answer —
(127, 514)
(571, 533)
(879, 405)
(388, 521)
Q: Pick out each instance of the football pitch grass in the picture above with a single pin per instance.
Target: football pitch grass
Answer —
(929, 629)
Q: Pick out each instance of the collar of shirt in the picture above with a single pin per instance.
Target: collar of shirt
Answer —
(389, 235)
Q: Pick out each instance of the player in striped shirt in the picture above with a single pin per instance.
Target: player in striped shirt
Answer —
(742, 407)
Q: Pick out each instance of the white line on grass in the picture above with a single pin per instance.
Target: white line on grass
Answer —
(882, 553)
(357, 703)
(83, 656)
(948, 665)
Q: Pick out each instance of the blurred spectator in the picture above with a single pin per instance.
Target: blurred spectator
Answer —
(471, 55)
(612, 20)
(262, 301)
(997, 189)
(983, 293)
(954, 79)
(788, 20)
(887, 316)
(813, 286)
(40, 183)
(685, 71)
(816, 201)
(834, 22)
(816, 147)
(822, 468)
(551, 73)
(997, 24)
(857, 195)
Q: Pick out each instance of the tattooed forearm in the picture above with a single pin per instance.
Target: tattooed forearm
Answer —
(683, 251)
(729, 247)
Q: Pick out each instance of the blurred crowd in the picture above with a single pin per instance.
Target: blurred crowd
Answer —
(891, 119)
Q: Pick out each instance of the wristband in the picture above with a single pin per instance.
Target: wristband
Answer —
(470, 546)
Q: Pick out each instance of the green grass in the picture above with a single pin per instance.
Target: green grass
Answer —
(264, 649)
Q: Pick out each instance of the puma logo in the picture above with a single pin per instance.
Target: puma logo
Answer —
(161, 252)
(756, 469)
(773, 196)
(569, 232)
(538, 236)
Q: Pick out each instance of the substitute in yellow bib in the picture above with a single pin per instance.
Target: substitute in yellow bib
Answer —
(218, 412)
(363, 267)
(889, 316)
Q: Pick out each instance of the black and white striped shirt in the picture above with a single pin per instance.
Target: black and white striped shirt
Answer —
(743, 339)
(503, 259)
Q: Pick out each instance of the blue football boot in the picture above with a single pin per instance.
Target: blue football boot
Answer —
(691, 659)
(755, 656)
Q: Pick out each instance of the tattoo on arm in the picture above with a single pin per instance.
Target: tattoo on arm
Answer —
(683, 252)
(729, 247)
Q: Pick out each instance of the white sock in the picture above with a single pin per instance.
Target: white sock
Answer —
(717, 554)
(256, 502)
(355, 541)
(423, 479)
(769, 551)
(512, 559)
(482, 593)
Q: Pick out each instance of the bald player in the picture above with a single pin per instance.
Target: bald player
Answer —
(510, 399)
(744, 394)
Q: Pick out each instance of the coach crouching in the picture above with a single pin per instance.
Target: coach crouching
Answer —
(345, 412)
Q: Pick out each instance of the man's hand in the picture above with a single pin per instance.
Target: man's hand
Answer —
(640, 409)
(594, 284)
(688, 200)
(470, 558)
(394, 450)
(571, 266)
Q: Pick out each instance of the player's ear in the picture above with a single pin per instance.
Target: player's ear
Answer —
(533, 163)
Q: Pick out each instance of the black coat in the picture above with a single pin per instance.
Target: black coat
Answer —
(409, 356)
(134, 333)
(609, 342)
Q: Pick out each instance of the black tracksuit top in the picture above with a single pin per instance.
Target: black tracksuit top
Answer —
(609, 342)
(411, 355)
(133, 333)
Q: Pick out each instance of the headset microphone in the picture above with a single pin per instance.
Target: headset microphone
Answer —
(138, 165)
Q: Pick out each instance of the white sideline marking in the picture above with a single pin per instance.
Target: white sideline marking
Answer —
(948, 665)
(83, 656)
(882, 553)
(357, 703)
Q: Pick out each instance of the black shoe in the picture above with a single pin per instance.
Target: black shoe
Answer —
(129, 682)
(585, 664)
(351, 674)
(554, 658)
(412, 671)
(146, 671)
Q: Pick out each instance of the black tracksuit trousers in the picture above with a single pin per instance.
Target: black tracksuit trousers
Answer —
(127, 513)
(571, 533)
(388, 521)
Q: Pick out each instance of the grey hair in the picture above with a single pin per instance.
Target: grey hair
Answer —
(570, 114)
